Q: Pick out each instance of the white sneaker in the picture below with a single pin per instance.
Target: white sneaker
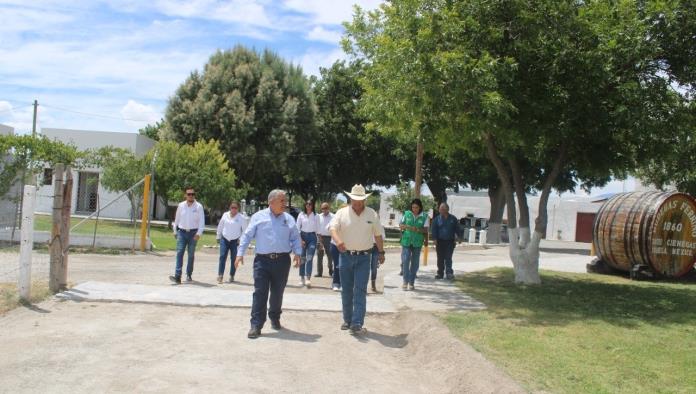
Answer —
(302, 281)
(309, 283)
(335, 288)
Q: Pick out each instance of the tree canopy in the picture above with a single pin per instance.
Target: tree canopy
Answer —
(559, 94)
(260, 110)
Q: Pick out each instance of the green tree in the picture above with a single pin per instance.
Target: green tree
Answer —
(557, 93)
(350, 152)
(153, 130)
(26, 156)
(260, 110)
(121, 169)
(201, 166)
(401, 200)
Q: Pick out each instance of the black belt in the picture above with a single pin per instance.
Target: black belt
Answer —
(359, 252)
(273, 256)
(187, 231)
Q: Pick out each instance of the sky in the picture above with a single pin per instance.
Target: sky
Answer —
(112, 65)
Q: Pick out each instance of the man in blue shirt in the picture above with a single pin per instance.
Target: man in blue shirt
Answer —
(276, 236)
(444, 229)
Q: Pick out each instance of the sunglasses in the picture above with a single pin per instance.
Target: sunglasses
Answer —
(234, 207)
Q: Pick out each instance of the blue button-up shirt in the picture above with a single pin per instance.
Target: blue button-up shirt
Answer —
(273, 234)
(445, 229)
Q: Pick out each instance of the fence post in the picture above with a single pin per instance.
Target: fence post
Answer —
(27, 243)
(146, 213)
(56, 247)
(65, 226)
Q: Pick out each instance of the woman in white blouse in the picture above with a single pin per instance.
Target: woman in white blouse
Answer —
(308, 224)
(229, 230)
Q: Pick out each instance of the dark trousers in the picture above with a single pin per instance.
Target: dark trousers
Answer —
(335, 257)
(325, 250)
(444, 250)
(269, 275)
(227, 247)
(374, 263)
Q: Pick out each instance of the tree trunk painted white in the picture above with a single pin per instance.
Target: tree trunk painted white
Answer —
(525, 261)
(525, 235)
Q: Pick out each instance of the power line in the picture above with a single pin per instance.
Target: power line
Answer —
(93, 114)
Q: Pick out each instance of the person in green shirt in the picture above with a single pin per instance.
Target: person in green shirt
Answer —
(414, 226)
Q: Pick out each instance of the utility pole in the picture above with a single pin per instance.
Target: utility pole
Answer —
(419, 167)
(33, 127)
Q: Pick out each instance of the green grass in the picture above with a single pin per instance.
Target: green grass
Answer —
(161, 237)
(9, 297)
(581, 333)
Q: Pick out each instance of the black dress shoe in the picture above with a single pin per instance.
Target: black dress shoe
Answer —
(317, 276)
(345, 326)
(275, 324)
(231, 278)
(357, 330)
(254, 333)
(188, 278)
(175, 279)
(438, 276)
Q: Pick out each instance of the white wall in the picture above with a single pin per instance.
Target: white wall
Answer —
(6, 130)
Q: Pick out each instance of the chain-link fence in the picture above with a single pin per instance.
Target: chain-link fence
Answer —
(107, 220)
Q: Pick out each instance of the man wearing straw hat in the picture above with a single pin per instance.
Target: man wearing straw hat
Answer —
(354, 230)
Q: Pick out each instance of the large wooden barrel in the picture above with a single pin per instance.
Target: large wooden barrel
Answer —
(654, 229)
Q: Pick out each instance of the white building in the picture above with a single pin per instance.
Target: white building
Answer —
(88, 194)
(569, 218)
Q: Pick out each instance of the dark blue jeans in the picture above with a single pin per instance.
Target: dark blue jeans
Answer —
(185, 243)
(227, 247)
(310, 240)
(337, 272)
(374, 263)
(444, 249)
(269, 276)
(355, 273)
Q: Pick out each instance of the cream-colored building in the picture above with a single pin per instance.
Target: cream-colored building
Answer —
(88, 194)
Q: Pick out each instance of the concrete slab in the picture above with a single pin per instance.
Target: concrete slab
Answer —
(201, 295)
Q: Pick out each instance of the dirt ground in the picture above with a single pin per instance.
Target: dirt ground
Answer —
(114, 347)
(72, 346)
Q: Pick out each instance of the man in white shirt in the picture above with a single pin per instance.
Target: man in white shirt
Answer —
(324, 234)
(355, 229)
(189, 223)
(229, 230)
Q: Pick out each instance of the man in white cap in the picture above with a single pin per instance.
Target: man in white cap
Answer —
(354, 230)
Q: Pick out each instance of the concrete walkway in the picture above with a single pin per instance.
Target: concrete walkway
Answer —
(196, 295)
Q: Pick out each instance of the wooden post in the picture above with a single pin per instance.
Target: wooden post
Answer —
(55, 246)
(146, 213)
(27, 243)
(65, 226)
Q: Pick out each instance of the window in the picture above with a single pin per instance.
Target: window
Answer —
(48, 176)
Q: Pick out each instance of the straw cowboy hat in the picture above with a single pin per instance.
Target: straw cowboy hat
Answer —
(357, 193)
